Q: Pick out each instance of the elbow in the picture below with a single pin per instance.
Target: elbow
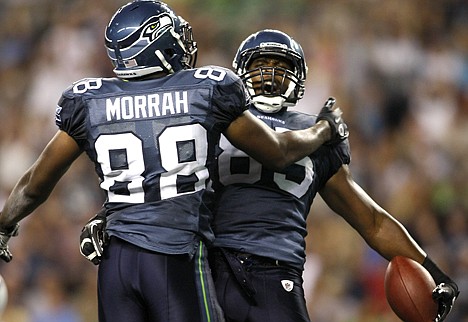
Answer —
(283, 157)
(33, 197)
(33, 192)
(279, 165)
(275, 159)
(279, 162)
(36, 197)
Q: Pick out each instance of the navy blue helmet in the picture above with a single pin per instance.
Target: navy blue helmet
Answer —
(272, 43)
(145, 37)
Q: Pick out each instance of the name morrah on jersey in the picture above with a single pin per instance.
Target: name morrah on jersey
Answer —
(262, 212)
(153, 143)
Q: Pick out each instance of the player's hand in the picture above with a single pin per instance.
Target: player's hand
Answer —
(93, 238)
(339, 129)
(445, 294)
(5, 235)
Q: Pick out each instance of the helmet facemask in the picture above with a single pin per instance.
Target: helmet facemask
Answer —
(187, 42)
(289, 77)
(271, 88)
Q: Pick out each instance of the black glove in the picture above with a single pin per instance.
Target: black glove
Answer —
(445, 294)
(5, 236)
(93, 238)
(446, 291)
(339, 129)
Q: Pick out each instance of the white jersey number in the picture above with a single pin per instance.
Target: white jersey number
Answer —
(254, 173)
(129, 147)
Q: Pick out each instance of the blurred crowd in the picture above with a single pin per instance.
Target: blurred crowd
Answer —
(399, 70)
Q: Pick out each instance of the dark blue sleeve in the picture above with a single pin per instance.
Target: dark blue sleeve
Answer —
(230, 100)
(335, 157)
(70, 117)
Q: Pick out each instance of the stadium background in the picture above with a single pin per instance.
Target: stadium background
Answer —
(398, 68)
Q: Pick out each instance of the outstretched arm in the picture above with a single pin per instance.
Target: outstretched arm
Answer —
(36, 185)
(383, 233)
(379, 229)
(38, 182)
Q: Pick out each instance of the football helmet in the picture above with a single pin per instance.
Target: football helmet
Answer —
(268, 95)
(145, 37)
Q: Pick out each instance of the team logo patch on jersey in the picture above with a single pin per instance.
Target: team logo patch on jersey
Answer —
(58, 110)
(287, 285)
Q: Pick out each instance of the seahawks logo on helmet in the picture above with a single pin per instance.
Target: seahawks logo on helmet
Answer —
(147, 37)
(156, 26)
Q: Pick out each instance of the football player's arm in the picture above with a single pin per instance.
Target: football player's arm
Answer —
(384, 233)
(37, 183)
(379, 229)
(274, 149)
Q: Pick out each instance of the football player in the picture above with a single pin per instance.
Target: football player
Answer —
(260, 214)
(152, 134)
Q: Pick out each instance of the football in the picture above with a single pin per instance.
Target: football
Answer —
(408, 288)
(3, 295)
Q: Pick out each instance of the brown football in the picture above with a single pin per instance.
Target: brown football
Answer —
(408, 288)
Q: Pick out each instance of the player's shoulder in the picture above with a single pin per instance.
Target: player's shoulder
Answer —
(90, 86)
(220, 69)
(216, 73)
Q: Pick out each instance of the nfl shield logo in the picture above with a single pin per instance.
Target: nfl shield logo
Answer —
(287, 285)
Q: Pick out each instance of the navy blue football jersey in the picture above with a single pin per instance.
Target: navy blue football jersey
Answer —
(153, 143)
(262, 212)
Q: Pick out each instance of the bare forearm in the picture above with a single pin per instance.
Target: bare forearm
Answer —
(297, 143)
(379, 229)
(392, 239)
(274, 149)
(38, 182)
(20, 203)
